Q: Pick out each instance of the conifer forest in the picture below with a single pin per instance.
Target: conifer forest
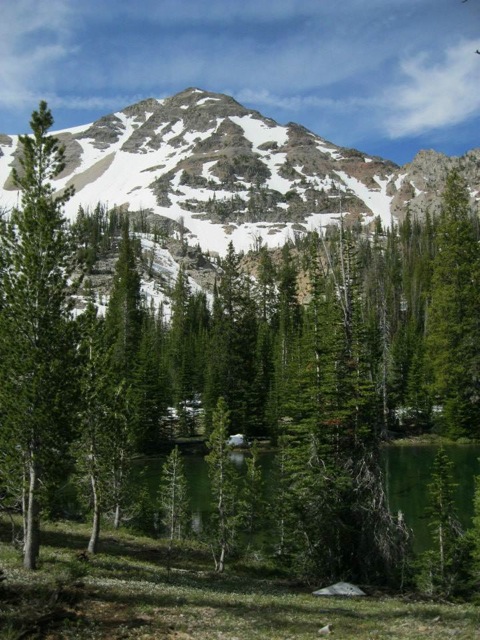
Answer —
(325, 349)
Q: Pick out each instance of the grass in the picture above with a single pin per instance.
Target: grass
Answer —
(124, 592)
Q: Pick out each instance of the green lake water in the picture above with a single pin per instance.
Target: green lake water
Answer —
(407, 473)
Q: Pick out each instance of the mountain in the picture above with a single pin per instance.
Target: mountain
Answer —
(224, 172)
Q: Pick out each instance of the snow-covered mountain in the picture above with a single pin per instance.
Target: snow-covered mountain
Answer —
(228, 173)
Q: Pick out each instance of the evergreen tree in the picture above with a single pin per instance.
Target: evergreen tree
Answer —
(35, 335)
(440, 567)
(149, 398)
(338, 508)
(221, 472)
(188, 344)
(251, 507)
(232, 345)
(454, 314)
(93, 446)
(174, 499)
(181, 348)
(265, 289)
(288, 317)
(123, 320)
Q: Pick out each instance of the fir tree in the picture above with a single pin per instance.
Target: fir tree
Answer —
(174, 499)
(149, 398)
(440, 567)
(36, 342)
(232, 345)
(93, 447)
(123, 320)
(187, 340)
(251, 507)
(454, 318)
(224, 523)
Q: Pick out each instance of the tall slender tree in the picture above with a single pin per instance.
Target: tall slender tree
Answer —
(123, 320)
(440, 566)
(225, 515)
(35, 336)
(232, 344)
(174, 500)
(453, 330)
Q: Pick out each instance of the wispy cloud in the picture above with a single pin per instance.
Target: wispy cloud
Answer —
(33, 38)
(348, 70)
(435, 93)
(299, 102)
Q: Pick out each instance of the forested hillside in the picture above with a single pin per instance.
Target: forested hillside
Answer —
(326, 348)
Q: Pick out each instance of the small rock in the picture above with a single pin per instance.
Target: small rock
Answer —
(328, 628)
(339, 589)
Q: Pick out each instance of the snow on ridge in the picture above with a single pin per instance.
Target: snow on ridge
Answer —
(163, 264)
(377, 201)
(192, 136)
(258, 132)
(206, 171)
(398, 182)
(204, 100)
(160, 128)
(73, 130)
(176, 130)
(336, 155)
(128, 128)
(276, 182)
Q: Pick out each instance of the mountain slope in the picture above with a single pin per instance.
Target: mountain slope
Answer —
(225, 172)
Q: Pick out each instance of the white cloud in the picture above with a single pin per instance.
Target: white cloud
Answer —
(436, 93)
(300, 102)
(33, 37)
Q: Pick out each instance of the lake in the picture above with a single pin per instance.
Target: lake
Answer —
(407, 473)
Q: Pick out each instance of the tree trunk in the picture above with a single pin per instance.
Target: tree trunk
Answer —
(32, 520)
(221, 560)
(93, 542)
(24, 507)
(118, 516)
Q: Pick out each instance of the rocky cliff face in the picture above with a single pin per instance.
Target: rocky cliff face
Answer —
(228, 173)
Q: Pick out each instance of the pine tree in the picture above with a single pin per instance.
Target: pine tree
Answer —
(35, 335)
(338, 509)
(174, 499)
(93, 447)
(148, 395)
(123, 320)
(232, 347)
(252, 506)
(440, 567)
(454, 314)
(187, 340)
(288, 317)
(224, 523)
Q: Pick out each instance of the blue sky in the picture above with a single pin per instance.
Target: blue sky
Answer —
(389, 77)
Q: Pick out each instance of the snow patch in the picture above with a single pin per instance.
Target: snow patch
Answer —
(377, 201)
(258, 133)
(331, 151)
(204, 100)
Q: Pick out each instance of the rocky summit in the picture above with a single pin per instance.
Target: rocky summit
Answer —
(228, 173)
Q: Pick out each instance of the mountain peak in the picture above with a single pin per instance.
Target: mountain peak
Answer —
(230, 173)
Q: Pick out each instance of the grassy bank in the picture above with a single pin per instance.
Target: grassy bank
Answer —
(125, 592)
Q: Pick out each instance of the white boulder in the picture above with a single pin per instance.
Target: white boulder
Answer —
(339, 589)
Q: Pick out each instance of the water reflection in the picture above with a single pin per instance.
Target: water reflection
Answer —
(238, 458)
(407, 474)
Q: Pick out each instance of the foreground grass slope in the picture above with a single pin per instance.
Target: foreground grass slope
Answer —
(125, 592)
